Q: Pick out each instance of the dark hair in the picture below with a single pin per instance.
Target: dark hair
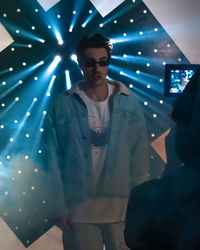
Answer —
(96, 40)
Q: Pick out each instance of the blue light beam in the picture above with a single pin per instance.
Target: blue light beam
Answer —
(68, 80)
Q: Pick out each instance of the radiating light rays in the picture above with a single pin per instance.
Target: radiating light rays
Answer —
(90, 17)
(7, 109)
(148, 80)
(59, 37)
(40, 121)
(38, 135)
(53, 65)
(78, 4)
(2, 72)
(12, 88)
(21, 32)
(135, 37)
(68, 80)
(48, 93)
(133, 59)
(19, 75)
(16, 134)
(117, 15)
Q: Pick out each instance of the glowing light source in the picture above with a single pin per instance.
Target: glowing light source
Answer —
(54, 64)
(59, 38)
(41, 63)
(68, 81)
(50, 85)
(74, 58)
(131, 86)
(42, 40)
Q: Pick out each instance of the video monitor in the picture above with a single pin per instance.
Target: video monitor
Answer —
(177, 76)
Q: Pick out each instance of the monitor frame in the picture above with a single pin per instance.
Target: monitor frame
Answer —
(168, 71)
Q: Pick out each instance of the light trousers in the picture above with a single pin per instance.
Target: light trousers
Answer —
(95, 237)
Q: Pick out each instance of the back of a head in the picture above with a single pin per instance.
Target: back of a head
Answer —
(96, 40)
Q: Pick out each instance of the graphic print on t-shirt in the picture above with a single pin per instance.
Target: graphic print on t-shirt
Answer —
(98, 132)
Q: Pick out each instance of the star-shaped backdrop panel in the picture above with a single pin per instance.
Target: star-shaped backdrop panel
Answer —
(40, 63)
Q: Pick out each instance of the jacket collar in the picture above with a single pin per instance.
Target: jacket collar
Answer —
(120, 87)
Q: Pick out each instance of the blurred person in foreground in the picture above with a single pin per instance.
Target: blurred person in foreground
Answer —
(163, 214)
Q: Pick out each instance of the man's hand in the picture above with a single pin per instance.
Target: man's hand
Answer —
(64, 222)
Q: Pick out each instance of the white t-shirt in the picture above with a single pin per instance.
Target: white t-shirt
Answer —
(99, 210)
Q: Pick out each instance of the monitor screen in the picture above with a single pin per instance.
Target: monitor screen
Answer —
(177, 76)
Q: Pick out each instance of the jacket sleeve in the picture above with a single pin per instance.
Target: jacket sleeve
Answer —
(140, 150)
(55, 164)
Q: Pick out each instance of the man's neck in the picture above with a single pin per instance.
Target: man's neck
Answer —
(97, 93)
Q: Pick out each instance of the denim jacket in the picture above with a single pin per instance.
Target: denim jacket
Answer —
(70, 158)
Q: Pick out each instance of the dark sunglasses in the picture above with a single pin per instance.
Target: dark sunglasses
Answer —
(102, 63)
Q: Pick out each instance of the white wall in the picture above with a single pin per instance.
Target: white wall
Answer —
(181, 20)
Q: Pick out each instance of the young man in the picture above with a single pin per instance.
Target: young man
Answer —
(98, 152)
